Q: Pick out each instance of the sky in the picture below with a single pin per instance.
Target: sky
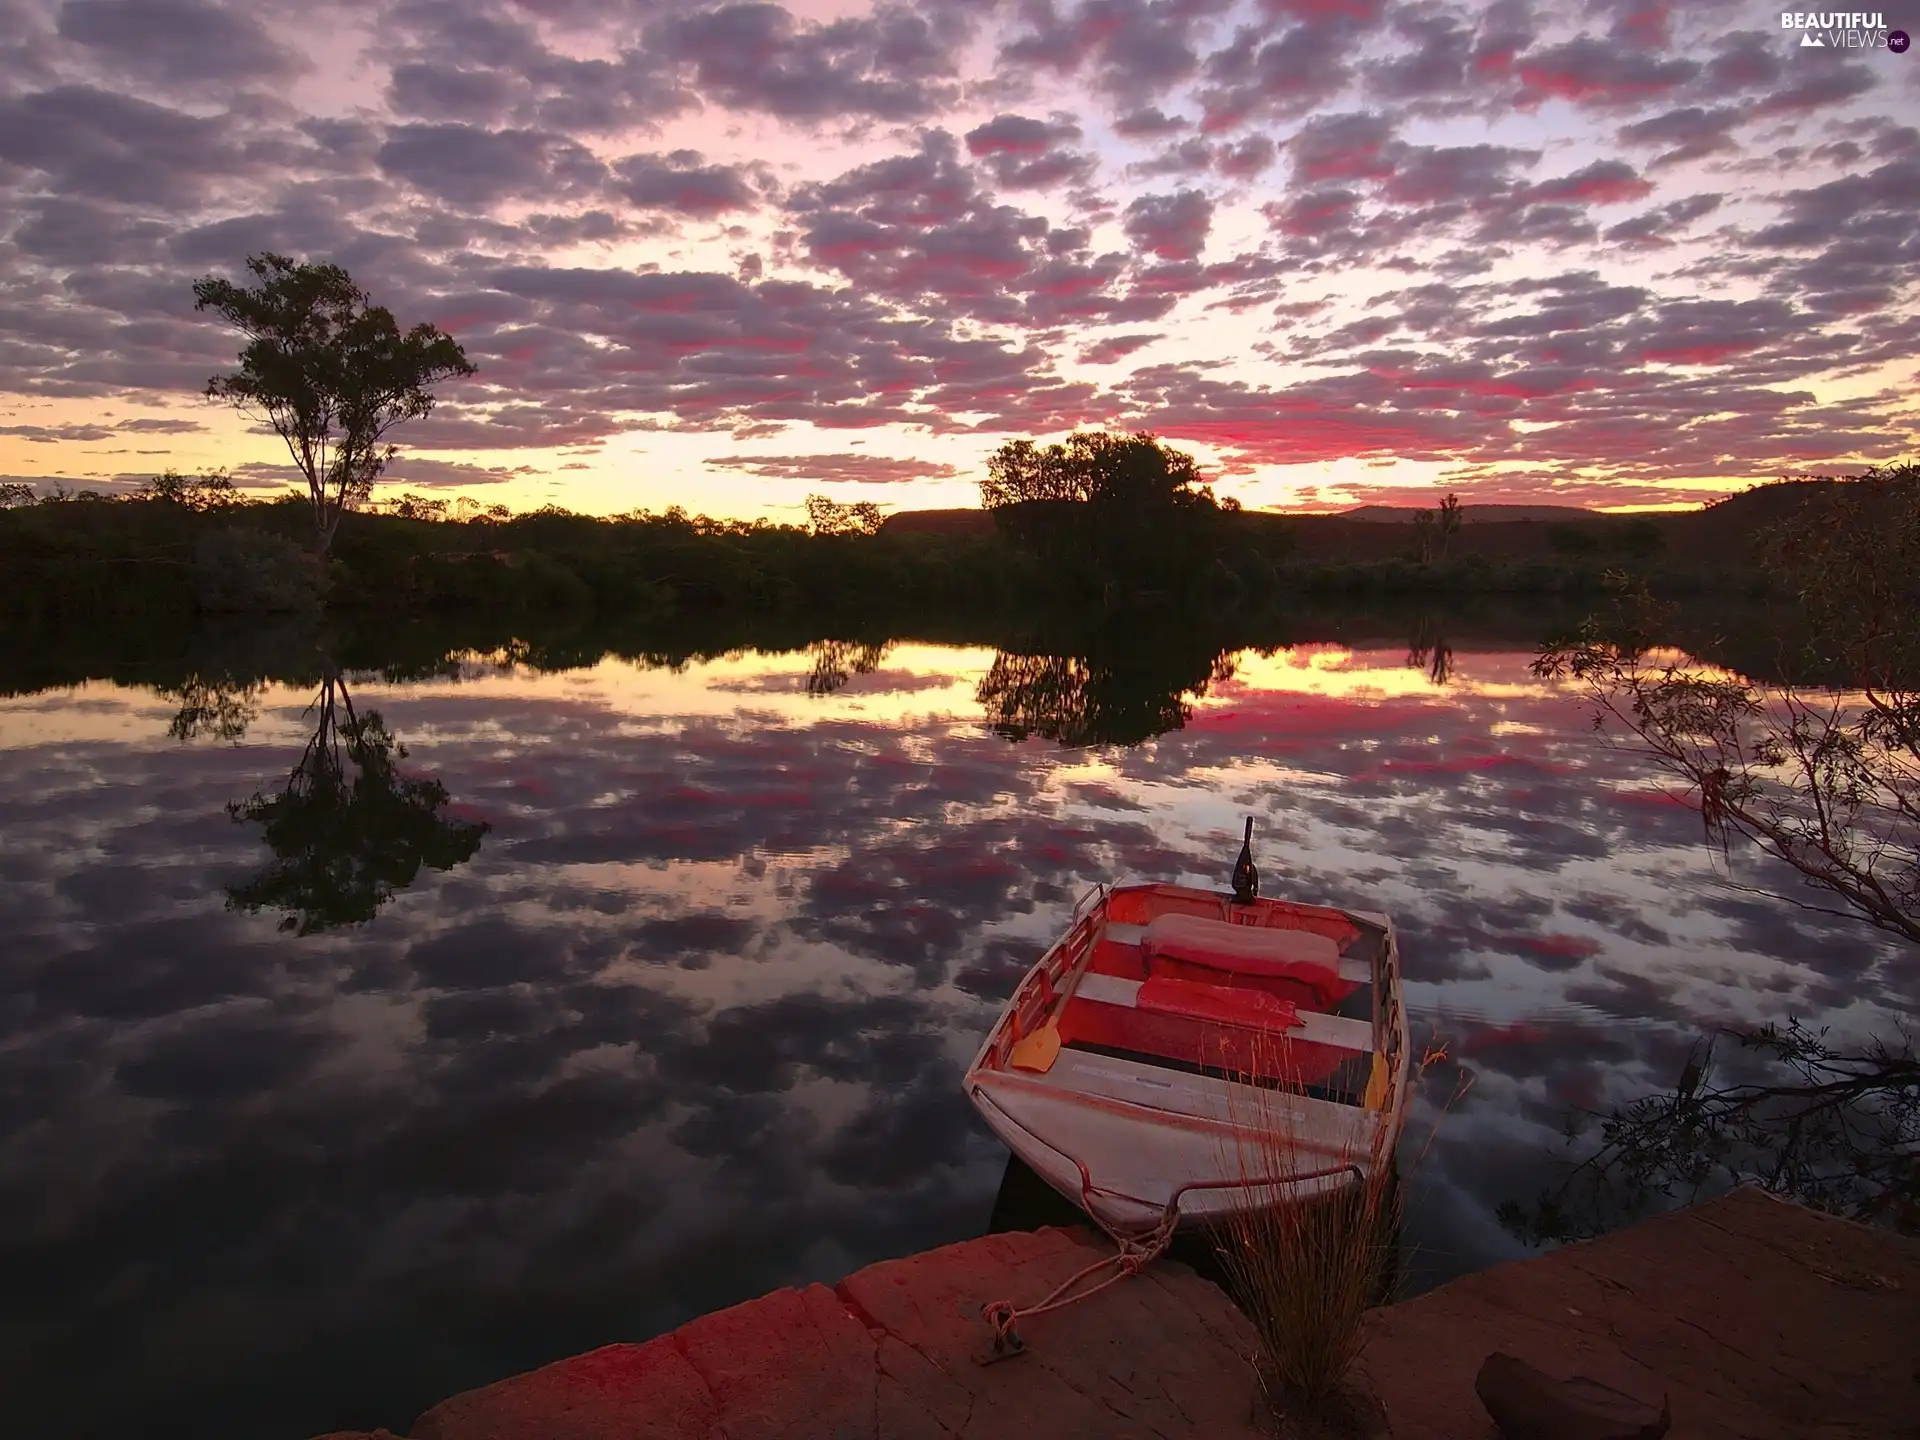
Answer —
(1602, 252)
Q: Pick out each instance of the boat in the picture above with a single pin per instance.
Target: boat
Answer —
(1137, 1059)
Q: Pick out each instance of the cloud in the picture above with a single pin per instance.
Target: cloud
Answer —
(680, 183)
(912, 219)
(1022, 153)
(1171, 227)
(182, 43)
(472, 167)
(836, 469)
(1111, 349)
(895, 64)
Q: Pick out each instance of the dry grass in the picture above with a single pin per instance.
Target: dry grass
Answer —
(1307, 1273)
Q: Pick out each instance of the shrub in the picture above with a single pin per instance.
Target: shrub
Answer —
(248, 571)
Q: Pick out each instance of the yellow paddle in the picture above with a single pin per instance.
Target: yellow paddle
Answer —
(1037, 1051)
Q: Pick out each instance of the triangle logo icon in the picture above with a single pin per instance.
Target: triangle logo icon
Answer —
(1810, 39)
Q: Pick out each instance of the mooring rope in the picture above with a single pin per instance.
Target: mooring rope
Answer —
(1133, 1255)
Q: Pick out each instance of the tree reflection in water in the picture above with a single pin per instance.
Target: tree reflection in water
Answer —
(345, 843)
(1119, 693)
(1834, 1129)
(1428, 650)
(837, 661)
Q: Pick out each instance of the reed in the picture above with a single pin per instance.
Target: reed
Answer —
(1305, 1274)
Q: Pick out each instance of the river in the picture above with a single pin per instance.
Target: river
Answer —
(314, 1112)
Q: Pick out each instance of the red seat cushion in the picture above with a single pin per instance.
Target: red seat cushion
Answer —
(1248, 950)
(1192, 1000)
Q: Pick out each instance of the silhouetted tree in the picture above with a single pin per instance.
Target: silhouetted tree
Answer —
(1836, 1130)
(15, 492)
(331, 372)
(218, 706)
(1424, 527)
(1127, 510)
(212, 491)
(1829, 783)
(829, 517)
(1447, 522)
(345, 843)
(1429, 651)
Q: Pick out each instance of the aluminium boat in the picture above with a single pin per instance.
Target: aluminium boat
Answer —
(1180, 1053)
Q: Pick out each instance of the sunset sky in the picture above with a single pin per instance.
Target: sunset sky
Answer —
(722, 256)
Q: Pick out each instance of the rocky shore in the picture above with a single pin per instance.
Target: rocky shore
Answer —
(1754, 1318)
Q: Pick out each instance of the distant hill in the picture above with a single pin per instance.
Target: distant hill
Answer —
(1469, 514)
(970, 521)
(1720, 529)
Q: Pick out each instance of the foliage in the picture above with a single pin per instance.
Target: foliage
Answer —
(418, 507)
(1447, 521)
(1573, 540)
(837, 661)
(329, 371)
(1116, 514)
(343, 846)
(828, 517)
(1833, 1129)
(1827, 782)
(212, 491)
(254, 571)
(14, 492)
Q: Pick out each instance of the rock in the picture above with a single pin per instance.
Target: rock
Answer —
(1529, 1404)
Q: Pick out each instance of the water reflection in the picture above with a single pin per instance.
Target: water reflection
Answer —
(1428, 650)
(690, 1024)
(347, 829)
(1125, 690)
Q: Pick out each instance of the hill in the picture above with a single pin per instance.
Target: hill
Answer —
(1469, 514)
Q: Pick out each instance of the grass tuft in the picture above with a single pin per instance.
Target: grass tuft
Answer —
(1306, 1273)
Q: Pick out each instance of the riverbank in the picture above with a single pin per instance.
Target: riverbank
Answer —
(1760, 1319)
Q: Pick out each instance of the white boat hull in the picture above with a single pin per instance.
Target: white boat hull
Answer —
(1138, 1139)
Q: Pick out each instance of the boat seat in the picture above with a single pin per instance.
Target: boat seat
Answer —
(1192, 1000)
(1249, 950)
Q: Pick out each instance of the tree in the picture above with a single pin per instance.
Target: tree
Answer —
(1424, 526)
(1835, 1130)
(212, 491)
(1125, 511)
(13, 492)
(1826, 781)
(331, 372)
(837, 661)
(829, 517)
(1447, 522)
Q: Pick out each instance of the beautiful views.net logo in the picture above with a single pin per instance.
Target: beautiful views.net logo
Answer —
(1843, 30)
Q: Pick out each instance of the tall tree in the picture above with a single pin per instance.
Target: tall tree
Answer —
(1448, 521)
(1124, 510)
(330, 371)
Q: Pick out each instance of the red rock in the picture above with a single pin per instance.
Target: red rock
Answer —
(1529, 1404)
(1762, 1319)
(618, 1392)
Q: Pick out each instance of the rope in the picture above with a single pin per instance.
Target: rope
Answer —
(1133, 1256)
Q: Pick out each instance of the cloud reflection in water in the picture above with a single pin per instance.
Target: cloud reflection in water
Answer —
(690, 1024)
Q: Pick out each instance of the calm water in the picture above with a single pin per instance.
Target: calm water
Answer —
(689, 1022)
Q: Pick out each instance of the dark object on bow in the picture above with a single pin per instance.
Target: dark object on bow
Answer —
(1246, 879)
